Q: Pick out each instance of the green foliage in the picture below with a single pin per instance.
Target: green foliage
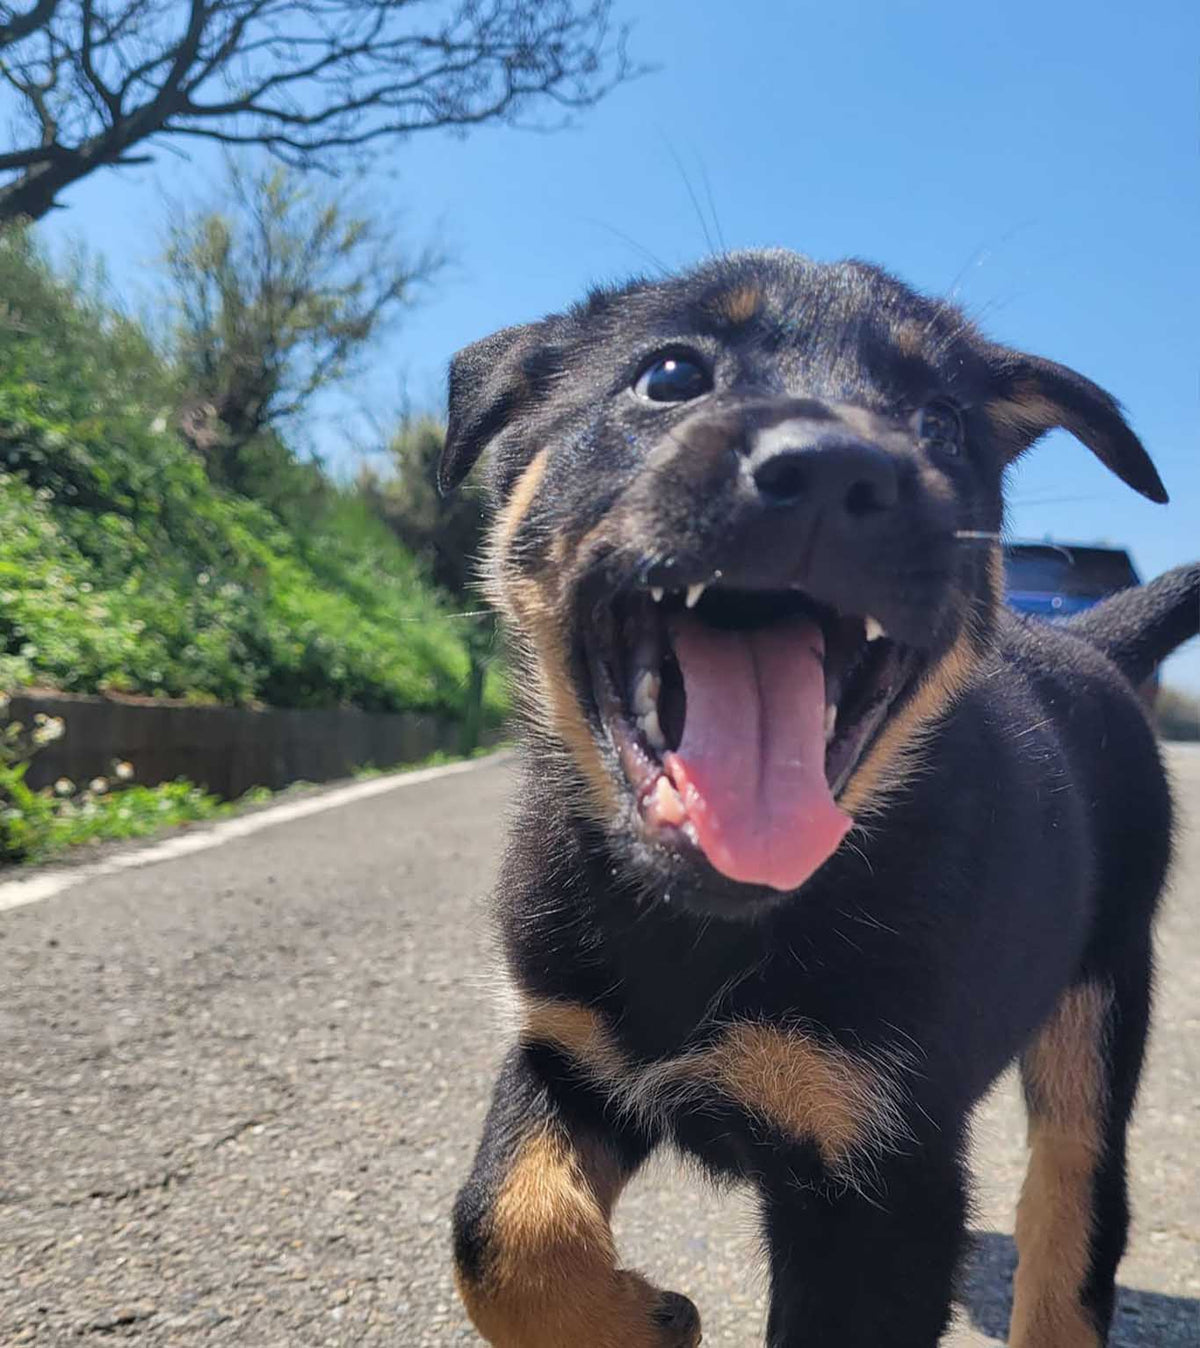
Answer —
(446, 535)
(135, 812)
(1177, 715)
(26, 816)
(277, 290)
(122, 567)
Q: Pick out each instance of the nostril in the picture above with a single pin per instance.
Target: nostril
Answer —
(871, 483)
(863, 498)
(781, 478)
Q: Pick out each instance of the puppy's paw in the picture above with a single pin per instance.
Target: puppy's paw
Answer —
(679, 1320)
(669, 1318)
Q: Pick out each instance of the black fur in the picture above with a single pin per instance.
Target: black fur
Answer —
(1139, 628)
(1020, 854)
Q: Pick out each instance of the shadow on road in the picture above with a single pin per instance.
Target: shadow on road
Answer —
(1143, 1319)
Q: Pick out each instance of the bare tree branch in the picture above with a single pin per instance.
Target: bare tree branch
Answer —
(316, 82)
(13, 27)
(108, 99)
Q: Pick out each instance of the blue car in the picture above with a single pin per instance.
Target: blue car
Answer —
(1054, 580)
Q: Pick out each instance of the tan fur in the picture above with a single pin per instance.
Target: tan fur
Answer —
(895, 754)
(911, 339)
(1064, 1076)
(1026, 412)
(532, 605)
(579, 1031)
(786, 1077)
(740, 305)
(805, 1089)
(552, 1279)
(552, 702)
(514, 510)
(868, 425)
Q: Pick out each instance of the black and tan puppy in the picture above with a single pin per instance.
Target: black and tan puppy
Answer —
(814, 836)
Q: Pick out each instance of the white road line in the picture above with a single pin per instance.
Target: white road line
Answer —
(45, 884)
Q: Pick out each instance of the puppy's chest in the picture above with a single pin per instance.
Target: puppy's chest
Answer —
(788, 1084)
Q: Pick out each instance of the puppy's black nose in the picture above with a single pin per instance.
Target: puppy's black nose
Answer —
(847, 477)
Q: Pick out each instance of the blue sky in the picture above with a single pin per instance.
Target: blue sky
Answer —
(1038, 160)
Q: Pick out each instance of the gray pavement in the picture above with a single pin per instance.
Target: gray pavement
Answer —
(239, 1089)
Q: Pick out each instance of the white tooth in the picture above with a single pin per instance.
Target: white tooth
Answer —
(656, 593)
(830, 721)
(874, 628)
(645, 693)
(648, 723)
(693, 594)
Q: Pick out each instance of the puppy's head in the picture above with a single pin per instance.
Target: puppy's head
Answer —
(745, 529)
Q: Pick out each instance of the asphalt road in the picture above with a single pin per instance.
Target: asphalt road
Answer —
(239, 1090)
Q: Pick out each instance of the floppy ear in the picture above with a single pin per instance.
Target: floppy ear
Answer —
(490, 381)
(1033, 395)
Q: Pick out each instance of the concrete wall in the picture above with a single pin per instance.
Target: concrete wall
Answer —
(225, 749)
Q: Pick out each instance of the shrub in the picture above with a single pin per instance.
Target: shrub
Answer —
(26, 816)
(1177, 715)
(122, 567)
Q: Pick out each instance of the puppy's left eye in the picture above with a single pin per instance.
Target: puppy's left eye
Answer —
(673, 379)
(940, 427)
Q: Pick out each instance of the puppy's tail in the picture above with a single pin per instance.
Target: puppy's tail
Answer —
(1139, 627)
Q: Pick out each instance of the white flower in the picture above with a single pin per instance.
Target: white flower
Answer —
(64, 787)
(98, 786)
(123, 771)
(47, 729)
(159, 424)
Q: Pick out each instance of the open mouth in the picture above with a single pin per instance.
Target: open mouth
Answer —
(738, 717)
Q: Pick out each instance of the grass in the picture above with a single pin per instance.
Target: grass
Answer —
(137, 812)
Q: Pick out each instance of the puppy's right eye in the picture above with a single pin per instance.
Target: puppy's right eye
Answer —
(676, 378)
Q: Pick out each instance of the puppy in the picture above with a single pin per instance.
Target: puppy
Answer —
(814, 836)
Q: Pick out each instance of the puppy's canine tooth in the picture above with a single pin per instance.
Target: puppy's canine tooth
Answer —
(667, 804)
(645, 693)
(824, 1039)
(648, 722)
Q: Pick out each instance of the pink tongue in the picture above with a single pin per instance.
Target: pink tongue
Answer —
(751, 765)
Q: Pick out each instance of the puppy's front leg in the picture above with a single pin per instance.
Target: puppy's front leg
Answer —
(867, 1270)
(535, 1261)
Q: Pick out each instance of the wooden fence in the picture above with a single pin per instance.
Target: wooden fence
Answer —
(225, 749)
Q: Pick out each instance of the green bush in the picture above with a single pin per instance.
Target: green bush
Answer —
(123, 568)
(1177, 715)
(134, 812)
(26, 816)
